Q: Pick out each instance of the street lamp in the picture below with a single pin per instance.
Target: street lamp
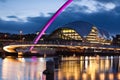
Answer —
(21, 36)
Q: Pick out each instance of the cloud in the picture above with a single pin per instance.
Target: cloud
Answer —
(12, 17)
(107, 21)
(15, 26)
(99, 13)
(109, 6)
(38, 19)
(93, 6)
(106, 1)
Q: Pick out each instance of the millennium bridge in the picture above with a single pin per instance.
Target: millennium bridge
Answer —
(55, 47)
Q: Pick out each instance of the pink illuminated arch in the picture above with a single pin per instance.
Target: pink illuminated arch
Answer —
(49, 22)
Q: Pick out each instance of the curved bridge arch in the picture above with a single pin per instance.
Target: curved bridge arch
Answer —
(50, 22)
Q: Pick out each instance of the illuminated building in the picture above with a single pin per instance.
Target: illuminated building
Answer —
(81, 31)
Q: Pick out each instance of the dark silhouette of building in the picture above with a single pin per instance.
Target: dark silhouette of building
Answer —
(116, 40)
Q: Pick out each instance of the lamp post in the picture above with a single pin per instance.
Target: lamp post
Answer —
(21, 36)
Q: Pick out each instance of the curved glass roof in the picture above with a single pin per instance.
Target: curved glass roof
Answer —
(84, 28)
(81, 27)
(104, 33)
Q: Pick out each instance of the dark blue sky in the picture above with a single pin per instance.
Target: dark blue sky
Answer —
(31, 15)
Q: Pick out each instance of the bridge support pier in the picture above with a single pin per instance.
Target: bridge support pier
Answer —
(49, 72)
(20, 54)
(51, 65)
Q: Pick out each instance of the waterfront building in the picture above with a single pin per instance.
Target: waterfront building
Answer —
(80, 31)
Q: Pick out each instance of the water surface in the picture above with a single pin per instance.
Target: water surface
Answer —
(69, 68)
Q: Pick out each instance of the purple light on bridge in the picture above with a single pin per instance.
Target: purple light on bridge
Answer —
(49, 22)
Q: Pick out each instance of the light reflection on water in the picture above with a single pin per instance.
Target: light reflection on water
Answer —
(89, 68)
(22, 69)
(69, 68)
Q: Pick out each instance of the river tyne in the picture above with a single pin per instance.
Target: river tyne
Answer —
(67, 68)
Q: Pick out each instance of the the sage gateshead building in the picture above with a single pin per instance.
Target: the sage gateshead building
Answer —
(80, 31)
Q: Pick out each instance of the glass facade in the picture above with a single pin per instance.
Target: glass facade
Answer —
(93, 36)
(81, 31)
(66, 34)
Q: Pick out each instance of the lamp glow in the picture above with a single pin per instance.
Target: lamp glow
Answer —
(49, 22)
